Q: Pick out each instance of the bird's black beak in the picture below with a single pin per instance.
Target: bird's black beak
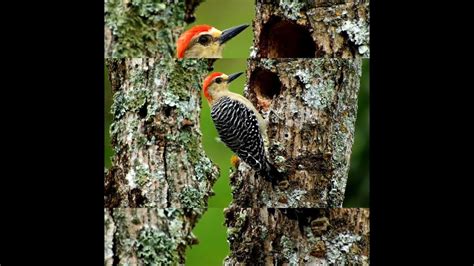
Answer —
(231, 33)
(233, 76)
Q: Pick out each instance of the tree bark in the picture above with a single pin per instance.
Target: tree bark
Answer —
(159, 161)
(143, 28)
(261, 236)
(310, 106)
(321, 28)
(148, 236)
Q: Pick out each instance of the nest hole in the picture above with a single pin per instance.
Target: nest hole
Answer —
(265, 83)
(143, 111)
(286, 39)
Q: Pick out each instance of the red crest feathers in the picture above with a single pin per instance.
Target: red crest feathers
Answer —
(185, 38)
(207, 82)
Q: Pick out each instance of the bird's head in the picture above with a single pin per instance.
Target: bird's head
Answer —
(217, 83)
(204, 41)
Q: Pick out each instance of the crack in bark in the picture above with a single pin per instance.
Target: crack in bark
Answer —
(165, 166)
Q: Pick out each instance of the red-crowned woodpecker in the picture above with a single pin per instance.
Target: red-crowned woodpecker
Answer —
(239, 124)
(204, 41)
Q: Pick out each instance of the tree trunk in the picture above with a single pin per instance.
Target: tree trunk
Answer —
(159, 161)
(145, 28)
(321, 28)
(310, 106)
(148, 236)
(261, 236)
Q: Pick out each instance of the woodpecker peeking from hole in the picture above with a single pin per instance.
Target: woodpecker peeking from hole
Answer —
(239, 124)
(204, 41)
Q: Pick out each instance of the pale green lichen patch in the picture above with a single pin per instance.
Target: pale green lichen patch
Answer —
(294, 198)
(118, 106)
(318, 93)
(289, 250)
(203, 168)
(337, 187)
(177, 94)
(131, 130)
(175, 229)
(233, 232)
(122, 240)
(126, 106)
(191, 198)
(188, 140)
(109, 235)
(155, 247)
(241, 217)
(293, 106)
(144, 28)
(172, 213)
(338, 247)
(350, 18)
(195, 155)
(292, 9)
(312, 239)
(142, 173)
(280, 159)
(340, 144)
(130, 177)
(359, 33)
(182, 78)
(268, 63)
(170, 99)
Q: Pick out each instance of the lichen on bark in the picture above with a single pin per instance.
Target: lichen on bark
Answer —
(159, 160)
(109, 232)
(323, 28)
(144, 28)
(310, 106)
(148, 236)
(268, 236)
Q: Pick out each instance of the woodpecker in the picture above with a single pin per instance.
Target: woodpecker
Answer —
(239, 124)
(204, 41)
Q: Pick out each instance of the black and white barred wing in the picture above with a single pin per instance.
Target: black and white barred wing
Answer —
(238, 128)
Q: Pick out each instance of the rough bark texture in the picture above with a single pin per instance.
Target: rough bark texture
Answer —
(310, 106)
(319, 28)
(190, 6)
(144, 28)
(109, 231)
(159, 161)
(148, 236)
(261, 236)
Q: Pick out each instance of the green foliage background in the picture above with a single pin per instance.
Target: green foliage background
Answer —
(210, 230)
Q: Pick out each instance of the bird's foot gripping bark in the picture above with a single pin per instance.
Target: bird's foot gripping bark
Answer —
(235, 161)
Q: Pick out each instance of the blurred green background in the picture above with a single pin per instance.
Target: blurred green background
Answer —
(226, 14)
(357, 189)
(210, 230)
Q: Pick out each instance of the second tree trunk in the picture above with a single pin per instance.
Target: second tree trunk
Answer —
(310, 106)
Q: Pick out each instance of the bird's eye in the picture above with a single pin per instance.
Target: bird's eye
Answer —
(218, 80)
(204, 39)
